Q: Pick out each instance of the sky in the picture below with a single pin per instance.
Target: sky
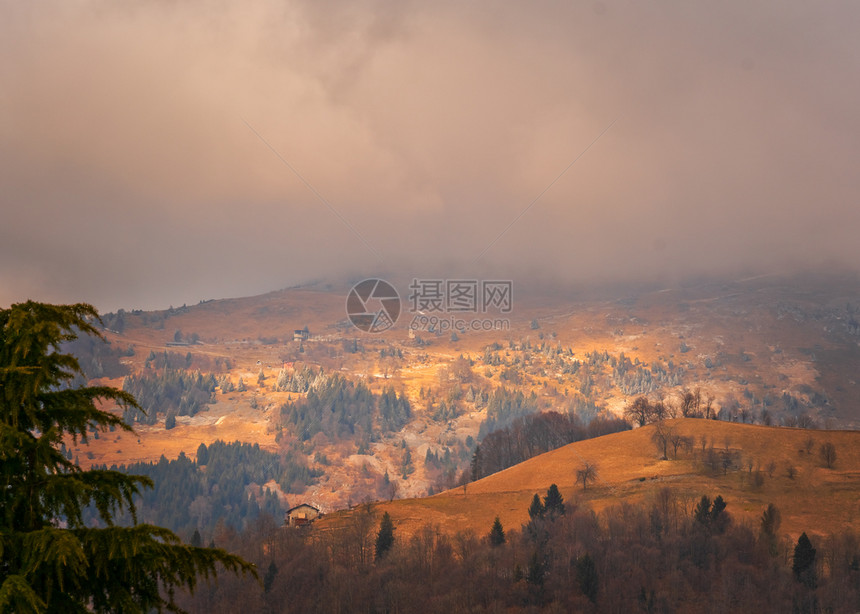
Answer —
(165, 152)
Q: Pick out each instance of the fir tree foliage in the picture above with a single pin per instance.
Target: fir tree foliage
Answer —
(50, 561)
(536, 509)
(497, 533)
(803, 564)
(385, 537)
(553, 502)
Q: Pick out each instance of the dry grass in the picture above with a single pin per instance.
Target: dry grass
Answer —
(817, 500)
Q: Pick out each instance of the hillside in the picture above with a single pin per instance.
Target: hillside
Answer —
(816, 500)
(765, 350)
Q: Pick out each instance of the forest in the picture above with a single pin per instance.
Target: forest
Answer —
(172, 392)
(224, 486)
(340, 409)
(667, 554)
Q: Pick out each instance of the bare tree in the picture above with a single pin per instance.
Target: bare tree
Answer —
(770, 468)
(688, 403)
(709, 407)
(662, 437)
(679, 441)
(588, 473)
(640, 411)
(828, 454)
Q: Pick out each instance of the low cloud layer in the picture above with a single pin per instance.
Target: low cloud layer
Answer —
(166, 152)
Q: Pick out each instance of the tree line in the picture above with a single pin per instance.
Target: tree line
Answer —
(657, 556)
(534, 434)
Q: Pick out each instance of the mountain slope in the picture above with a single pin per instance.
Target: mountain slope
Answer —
(815, 500)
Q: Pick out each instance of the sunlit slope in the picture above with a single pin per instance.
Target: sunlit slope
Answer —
(816, 499)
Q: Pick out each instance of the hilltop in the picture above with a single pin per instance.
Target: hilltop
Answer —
(816, 499)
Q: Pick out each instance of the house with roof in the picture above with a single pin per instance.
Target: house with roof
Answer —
(301, 515)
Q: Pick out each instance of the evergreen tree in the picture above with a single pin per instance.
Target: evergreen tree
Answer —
(385, 537)
(269, 578)
(202, 454)
(50, 560)
(804, 561)
(196, 540)
(553, 503)
(497, 533)
(536, 509)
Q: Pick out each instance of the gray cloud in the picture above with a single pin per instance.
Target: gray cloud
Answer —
(131, 179)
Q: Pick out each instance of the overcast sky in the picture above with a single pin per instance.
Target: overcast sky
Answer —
(147, 148)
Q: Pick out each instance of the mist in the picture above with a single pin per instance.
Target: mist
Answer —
(156, 153)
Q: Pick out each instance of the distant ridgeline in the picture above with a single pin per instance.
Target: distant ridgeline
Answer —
(342, 409)
(226, 483)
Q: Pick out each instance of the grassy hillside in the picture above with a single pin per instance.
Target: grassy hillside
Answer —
(768, 350)
(816, 500)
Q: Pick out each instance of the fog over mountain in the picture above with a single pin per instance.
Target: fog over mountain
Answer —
(166, 152)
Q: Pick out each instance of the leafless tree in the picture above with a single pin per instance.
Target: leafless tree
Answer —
(640, 412)
(688, 403)
(828, 454)
(678, 441)
(662, 437)
(770, 468)
(588, 473)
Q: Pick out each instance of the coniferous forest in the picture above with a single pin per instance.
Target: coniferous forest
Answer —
(225, 485)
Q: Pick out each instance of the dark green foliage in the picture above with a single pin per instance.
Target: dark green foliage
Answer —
(803, 565)
(711, 515)
(553, 502)
(202, 454)
(46, 568)
(182, 392)
(343, 409)
(385, 537)
(269, 578)
(497, 533)
(536, 509)
(586, 577)
(185, 498)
